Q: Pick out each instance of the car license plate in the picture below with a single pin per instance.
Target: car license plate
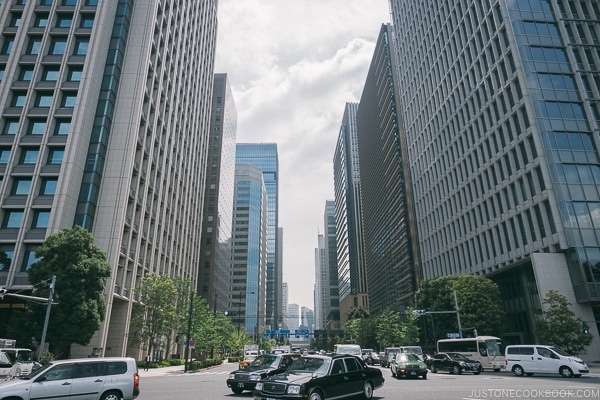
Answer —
(241, 385)
(270, 398)
(413, 373)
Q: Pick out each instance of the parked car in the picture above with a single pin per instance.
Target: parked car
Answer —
(262, 366)
(390, 353)
(110, 378)
(318, 377)
(408, 365)
(530, 359)
(370, 357)
(454, 363)
(353, 349)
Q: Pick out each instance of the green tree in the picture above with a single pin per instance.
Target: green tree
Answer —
(155, 316)
(388, 329)
(478, 299)
(81, 269)
(559, 327)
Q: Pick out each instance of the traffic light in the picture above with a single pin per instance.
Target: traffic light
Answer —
(419, 312)
(226, 313)
(585, 329)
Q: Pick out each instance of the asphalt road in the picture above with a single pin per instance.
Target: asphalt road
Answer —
(210, 384)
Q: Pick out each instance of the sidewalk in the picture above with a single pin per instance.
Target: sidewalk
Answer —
(165, 371)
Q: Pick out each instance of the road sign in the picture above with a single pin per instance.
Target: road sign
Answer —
(454, 335)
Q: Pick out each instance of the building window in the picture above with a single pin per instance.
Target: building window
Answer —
(48, 187)
(2, 68)
(87, 21)
(64, 20)
(34, 46)
(91, 2)
(29, 156)
(41, 20)
(4, 155)
(40, 219)
(15, 21)
(74, 74)
(21, 186)
(46, 2)
(6, 257)
(50, 73)
(62, 127)
(58, 47)
(26, 73)
(37, 127)
(44, 99)
(18, 99)
(7, 45)
(28, 260)
(12, 219)
(11, 126)
(55, 156)
(81, 47)
(68, 100)
(69, 2)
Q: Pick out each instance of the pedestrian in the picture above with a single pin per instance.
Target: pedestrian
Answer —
(147, 365)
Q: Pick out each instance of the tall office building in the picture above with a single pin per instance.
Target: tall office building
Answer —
(332, 319)
(105, 115)
(215, 249)
(248, 273)
(321, 283)
(500, 101)
(390, 243)
(352, 277)
(264, 156)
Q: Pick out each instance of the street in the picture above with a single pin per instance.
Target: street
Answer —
(210, 384)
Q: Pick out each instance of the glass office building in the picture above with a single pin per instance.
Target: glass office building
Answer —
(352, 280)
(264, 156)
(247, 277)
(500, 101)
(105, 110)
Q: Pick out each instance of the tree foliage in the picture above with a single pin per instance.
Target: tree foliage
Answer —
(478, 299)
(81, 269)
(559, 327)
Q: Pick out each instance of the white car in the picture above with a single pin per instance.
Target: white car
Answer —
(530, 359)
(110, 378)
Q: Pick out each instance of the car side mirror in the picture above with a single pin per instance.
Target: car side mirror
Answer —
(41, 379)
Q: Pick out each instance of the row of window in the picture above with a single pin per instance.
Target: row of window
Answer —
(30, 155)
(50, 2)
(21, 186)
(63, 20)
(43, 98)
(14, 219)
(7, 257)
(36, 126)
(57, 47)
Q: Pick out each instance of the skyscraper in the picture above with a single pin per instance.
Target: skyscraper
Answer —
(247, 277)
(332, 318)
(215, 251)
(105, 116)
(352, 277)
(389, 229)
(264, 156)
(500, 102)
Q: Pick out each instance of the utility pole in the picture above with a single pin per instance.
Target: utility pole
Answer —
(189, 332)
(47, 318)
(457, 315)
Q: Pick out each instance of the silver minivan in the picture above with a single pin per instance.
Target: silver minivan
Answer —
(531, 359)
(109, 378)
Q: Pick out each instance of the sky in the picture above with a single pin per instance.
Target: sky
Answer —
(292, 66)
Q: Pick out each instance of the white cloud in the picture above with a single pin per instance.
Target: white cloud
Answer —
(293, 65)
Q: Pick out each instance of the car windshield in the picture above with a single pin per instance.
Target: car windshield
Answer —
(407, 357)
(560, 352)
(22, 356)
(4, 359)
(265, 361)
(352, 349)
(456, 356)
(312, 365)
(413, 350)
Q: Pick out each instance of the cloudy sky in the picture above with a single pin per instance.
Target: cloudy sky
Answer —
(292, 66)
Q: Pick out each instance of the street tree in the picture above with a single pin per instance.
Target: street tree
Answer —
(155, 316)
(478, 299)
(388, 329)
(81, 269)
(560, 327)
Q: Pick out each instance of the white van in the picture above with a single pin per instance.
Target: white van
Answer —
(353, 349)
(416, 350)
(530, 359)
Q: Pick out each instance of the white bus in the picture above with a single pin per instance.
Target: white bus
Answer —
(488, 350)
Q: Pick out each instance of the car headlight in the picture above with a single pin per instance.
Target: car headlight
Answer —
(423, 366)
(255, 377)
(293, 389)
(231, 376)
(259, 386)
